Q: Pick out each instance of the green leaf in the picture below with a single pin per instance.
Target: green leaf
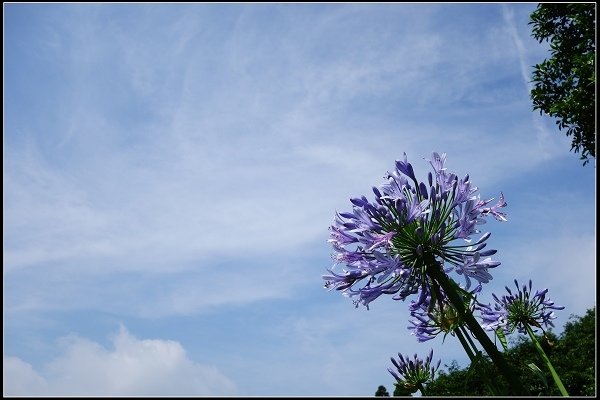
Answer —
(502, 338)
(538, 372)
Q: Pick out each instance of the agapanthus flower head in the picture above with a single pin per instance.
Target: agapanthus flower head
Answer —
(387, 244)
(413, 373)
(435, 314)
(518, 309)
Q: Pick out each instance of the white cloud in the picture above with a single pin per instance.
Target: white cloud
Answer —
(134, 367)
(19, 378)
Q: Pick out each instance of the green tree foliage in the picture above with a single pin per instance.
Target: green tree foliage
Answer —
(457, 382)
(576, 355)
(565, 84)
(572, 354)
(382, 392)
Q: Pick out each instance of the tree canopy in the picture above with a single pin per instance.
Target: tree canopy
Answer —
(382, 392)
(572, 354)
(565, 84)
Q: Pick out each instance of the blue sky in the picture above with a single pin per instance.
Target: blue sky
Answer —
(170, 172)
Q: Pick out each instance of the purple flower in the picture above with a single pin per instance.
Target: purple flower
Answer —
(514, 311)
(429, 319)
(387, 244)
(477, 268)
(412, 374)
(406, 168)
(493, 210)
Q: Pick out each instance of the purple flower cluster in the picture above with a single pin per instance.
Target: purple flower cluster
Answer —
(388, 244)
(429, 319)
(412, 374)
(515, 311)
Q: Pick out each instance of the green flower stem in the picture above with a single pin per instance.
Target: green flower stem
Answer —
(436, 273)
(464, 343)
(422, 389)
(469, 348)
(468, 338)
(540, 350)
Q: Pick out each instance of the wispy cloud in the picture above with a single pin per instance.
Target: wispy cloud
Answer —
(545, 144)
(509, 18)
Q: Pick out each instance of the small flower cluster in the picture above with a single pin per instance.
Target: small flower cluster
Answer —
(413, 374)
(433, 319)
(515, 311)
(388, 244)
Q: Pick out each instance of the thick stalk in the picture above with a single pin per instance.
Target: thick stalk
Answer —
(467, 346)
(540, 350)
(435, 272)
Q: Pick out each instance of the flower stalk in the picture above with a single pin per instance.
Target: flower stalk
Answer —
(542, 353)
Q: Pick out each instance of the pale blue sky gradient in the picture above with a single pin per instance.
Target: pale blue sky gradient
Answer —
(170, 172)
